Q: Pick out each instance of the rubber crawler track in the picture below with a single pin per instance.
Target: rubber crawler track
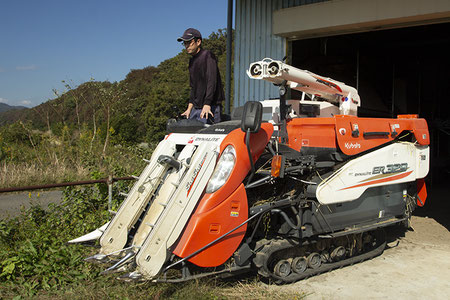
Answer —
(263, 257)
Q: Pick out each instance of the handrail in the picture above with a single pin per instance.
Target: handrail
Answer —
(64, 184)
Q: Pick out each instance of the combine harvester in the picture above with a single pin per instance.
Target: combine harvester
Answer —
(287, 188)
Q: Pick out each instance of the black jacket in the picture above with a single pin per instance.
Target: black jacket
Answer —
(206, 85)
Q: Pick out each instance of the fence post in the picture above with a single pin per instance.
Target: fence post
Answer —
(110, 187)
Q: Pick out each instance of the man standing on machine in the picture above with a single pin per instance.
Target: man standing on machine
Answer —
(206, 86)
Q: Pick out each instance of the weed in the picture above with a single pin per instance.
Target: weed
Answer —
(37, 262)
(54, 159)
(34, 252)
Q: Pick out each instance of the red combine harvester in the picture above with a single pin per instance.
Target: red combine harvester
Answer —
(287, 188)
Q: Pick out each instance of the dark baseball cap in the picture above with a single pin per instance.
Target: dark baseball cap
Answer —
(190, 34)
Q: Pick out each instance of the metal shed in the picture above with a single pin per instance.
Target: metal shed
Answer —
(266, 28)
(395, 52)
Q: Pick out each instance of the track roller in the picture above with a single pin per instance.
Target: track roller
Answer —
(283, 268)
(324, 256)
(321, 245)
(314, 260)
(299, 264)
(338, 253)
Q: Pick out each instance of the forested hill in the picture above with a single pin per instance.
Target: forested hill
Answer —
(6, 107)
(135, 109)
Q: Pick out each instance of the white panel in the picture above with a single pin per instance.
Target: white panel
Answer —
(393, 164)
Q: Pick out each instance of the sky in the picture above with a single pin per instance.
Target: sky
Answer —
(45, 42)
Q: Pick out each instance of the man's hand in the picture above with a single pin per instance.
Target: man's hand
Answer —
(187, 113)
(206, 111)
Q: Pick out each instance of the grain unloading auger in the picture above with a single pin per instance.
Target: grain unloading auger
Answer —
(288, 198)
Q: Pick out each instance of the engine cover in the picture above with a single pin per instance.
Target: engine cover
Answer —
(395, 163)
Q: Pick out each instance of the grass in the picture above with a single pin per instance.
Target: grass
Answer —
(257, 290)
(109, 288)
(52, 159)
(24, 174)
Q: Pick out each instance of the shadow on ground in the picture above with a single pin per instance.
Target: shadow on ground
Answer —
(437, 205)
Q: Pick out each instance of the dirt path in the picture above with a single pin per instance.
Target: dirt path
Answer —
(417, 268)
(414, 266)
(10, 204)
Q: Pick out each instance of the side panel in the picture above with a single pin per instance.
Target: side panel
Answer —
(395, 163)
(311, 132)
(352, 135)
(374, 205)
(355, 135)
(422, 161)
(205, 227)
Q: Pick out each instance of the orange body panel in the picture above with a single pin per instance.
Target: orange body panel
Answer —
(407, 116)
(236, 138)
(205, 227)
(336, 132)
(215, 211)
(421, 192)
(311, 132)
(352, 145)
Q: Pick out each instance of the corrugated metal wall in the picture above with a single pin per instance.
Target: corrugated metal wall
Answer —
(254, 41)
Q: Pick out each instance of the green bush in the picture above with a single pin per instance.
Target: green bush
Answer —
(33, 247)
(14, 133)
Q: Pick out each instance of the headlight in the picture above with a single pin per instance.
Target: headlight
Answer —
(223, 170)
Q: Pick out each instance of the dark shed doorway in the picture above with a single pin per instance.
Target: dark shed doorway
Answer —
(396, 71)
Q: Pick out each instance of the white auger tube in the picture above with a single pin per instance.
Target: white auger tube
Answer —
(338, 93)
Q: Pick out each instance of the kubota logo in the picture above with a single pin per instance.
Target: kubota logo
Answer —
(352, 145)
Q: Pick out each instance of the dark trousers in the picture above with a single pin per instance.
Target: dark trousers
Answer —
(215, 109)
